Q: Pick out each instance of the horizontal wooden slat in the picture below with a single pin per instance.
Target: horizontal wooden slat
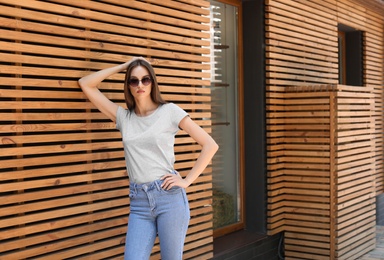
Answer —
(104, 16)
(20, 70)
(63, 234)
(202, 9)
(170, 11)
(63, 173)
(297, 119)
(79, 96)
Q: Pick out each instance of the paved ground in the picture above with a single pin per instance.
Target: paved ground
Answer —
(378, 252)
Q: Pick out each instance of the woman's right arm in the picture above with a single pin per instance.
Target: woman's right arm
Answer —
(89, 85)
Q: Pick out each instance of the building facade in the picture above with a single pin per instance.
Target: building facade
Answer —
(292, 91)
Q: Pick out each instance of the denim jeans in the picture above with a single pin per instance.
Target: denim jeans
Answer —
(155, 211)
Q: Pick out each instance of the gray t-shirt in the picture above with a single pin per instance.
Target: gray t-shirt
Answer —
(149, 141)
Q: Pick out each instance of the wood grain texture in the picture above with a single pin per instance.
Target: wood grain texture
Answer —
(63, 183)
(324, 142)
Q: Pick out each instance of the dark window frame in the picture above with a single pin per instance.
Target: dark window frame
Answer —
(240, 225)
(351, 56)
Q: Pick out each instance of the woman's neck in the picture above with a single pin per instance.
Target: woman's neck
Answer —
(145, 108)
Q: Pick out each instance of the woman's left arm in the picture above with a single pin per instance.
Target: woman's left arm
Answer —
(209, 148)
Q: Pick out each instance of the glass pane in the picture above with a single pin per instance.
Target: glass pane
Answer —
(226, 194)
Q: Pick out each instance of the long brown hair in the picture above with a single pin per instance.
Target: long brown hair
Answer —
(155, 91)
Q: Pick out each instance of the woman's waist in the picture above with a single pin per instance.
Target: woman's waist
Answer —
(149, 179)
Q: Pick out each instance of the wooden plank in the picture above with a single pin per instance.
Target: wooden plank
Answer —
(297, 20)
(200, 3)
(49, 61)
(61, 202)
(20, 70)
(355, 163)
(68, 52)
(46, 117)
(63, 223)
(59, 181)
(66, 244)
(303, 66)
(51, 46)
(98, 245)
(64, 191)
(304, 72)
(353, 192)
(47, 95)
(58, 159)
(174, 11)
(62, 234)
(308, 243)
(323, 18)
(320, 63)
(308, 253)
(105, 17)
(185, 7)
(55, 127)
(299, 27)
(344, 176)
(61, 84)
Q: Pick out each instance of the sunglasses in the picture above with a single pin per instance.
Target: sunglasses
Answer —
(135, 82)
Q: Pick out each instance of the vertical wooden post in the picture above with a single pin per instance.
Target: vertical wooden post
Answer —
(332, 172)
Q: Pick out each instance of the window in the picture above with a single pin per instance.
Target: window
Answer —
(342, 56)
(227, 125)
(350, 56)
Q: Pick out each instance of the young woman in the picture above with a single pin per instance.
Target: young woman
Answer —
(158, 202)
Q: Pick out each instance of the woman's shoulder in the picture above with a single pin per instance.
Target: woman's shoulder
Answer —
(174, 111)
(171, 106)
(122, 117)
(122, 112)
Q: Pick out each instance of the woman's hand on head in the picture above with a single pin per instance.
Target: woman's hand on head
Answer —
(126, 64)
(172, 180)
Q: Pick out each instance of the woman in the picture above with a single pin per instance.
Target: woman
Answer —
(158, 201)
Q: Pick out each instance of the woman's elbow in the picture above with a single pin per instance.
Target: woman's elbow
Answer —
(80, 82)
(210, 145)
(214, 146)
(84, 85)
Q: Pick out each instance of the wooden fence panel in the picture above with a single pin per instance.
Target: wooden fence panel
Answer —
(302, 50)
(323, 193)
(63, 183)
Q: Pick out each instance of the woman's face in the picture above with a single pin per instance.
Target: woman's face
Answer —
(140, 83)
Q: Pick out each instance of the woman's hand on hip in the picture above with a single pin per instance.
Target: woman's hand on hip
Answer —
(172, 180)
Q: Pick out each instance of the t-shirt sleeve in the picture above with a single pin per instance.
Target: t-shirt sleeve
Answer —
(121, 115)
(177, 114)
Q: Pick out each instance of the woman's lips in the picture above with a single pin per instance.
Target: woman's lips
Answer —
(140, 91)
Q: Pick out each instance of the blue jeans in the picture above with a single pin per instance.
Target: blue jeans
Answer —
(155, 211)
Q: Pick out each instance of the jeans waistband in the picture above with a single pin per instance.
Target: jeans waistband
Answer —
(149, 185)
(146, 186)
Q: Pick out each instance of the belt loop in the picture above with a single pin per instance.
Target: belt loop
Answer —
(134, 187)
(158, 186)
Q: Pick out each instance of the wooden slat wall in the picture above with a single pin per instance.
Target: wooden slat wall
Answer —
(301, 50)
(354, 195)
(324, 195)
(63, 184)
(372, 23)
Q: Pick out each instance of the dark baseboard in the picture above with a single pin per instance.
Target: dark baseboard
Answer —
(244, 245)
(380, 210)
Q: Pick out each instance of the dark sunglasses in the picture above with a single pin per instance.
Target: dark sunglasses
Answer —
(135, 82)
